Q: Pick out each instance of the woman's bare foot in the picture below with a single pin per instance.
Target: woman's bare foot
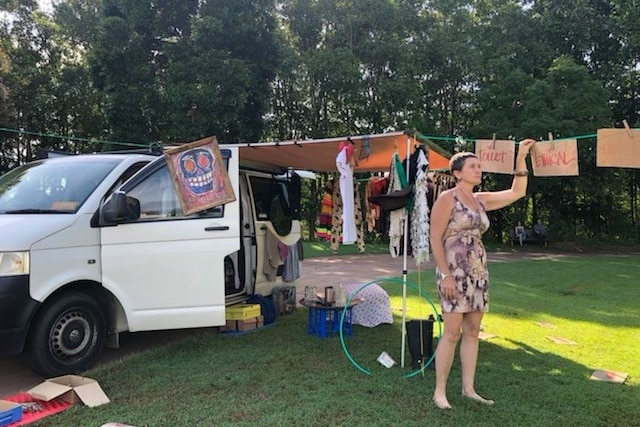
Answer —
(475, 396)
(442, 403)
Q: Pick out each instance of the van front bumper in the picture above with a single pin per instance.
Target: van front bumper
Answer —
(16, 310)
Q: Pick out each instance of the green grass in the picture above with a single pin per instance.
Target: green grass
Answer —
(280, 376)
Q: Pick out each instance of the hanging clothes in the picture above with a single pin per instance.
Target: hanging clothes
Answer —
(365, 148)
(377, 217)
(291, 264)
(420, 212)
(358, 218)
(323, 227)
(398, 181)
(271, 256)
(343, 163)
(336, 215)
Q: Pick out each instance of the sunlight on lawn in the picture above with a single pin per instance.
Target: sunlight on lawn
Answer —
(592, 337)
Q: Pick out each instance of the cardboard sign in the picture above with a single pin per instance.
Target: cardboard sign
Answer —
(555, 158)
(618, 148)
(496, 155)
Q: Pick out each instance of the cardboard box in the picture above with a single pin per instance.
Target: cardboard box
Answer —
(10, 412)
(242, 311)
(72, 389)
(244, 324)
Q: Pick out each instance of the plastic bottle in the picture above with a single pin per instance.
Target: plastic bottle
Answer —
(341, 296)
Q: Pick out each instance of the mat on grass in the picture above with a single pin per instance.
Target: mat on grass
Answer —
(561, 340)
(609, 376)
(485, 335)
(546, 325)
(33, 409)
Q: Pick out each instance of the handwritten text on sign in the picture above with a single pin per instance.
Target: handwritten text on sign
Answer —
(495, 155)
(555, 158)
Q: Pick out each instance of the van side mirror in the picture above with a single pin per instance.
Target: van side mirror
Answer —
(120, 208)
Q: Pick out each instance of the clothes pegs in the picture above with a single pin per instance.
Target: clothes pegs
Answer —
(493, 142)
(551, 140)
(626, 126)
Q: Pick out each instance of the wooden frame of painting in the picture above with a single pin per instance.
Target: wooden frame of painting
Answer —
(199, 175)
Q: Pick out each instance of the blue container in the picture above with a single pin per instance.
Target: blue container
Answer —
(10, 412)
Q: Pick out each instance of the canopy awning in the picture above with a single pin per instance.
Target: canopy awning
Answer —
(319, 155)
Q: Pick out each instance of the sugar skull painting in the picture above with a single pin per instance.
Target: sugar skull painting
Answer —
(196, 167)
(199, 175)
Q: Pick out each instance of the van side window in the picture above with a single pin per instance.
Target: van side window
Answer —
(125, 176)
(159, 201)
(271, 199)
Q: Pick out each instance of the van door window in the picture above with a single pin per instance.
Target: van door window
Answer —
(132, 170)
(272, 203)
(159, 201)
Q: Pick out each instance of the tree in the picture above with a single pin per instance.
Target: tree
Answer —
(570, 102)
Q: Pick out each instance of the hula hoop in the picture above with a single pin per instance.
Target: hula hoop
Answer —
(375, 281)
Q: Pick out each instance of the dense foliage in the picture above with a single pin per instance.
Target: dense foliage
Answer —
(115, 74)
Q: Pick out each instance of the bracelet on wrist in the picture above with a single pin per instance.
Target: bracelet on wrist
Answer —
(521, 173)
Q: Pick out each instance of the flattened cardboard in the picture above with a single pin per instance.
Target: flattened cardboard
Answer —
(618, 148)
(496, 155)
(555, 158)
(546, 325)
(609, 376)
(72, 389)
(561, 340)
(48, 390)
(485, 335)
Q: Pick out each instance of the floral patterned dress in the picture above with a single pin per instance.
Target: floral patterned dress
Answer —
(467, 259)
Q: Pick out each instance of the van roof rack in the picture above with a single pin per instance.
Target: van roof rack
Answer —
(41, 153)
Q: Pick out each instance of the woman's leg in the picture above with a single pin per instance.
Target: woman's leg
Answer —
(444, 356)
(469, 355)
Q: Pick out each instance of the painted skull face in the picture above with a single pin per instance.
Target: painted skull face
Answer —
(197, 168)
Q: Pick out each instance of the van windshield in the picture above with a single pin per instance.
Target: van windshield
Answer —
(52, 185)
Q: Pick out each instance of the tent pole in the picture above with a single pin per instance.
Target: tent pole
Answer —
(404, 264)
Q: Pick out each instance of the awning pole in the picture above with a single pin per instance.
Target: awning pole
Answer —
(404, 262)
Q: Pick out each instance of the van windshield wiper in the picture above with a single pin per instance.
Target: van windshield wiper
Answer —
(36, 211)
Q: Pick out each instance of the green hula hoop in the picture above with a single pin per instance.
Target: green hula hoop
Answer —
(375, 281)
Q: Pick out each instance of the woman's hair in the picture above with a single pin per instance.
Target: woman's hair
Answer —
(457, 160)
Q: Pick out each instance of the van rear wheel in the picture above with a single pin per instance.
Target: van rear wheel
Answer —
(66, 336)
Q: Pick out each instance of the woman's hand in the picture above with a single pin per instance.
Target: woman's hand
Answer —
(448, 287)
(525, 146)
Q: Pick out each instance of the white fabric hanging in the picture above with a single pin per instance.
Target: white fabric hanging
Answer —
(396, 217)
(349, 232)
(420, 213)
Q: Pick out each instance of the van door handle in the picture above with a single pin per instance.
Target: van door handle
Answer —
(217, 228)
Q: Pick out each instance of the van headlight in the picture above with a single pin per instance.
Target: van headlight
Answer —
(14, 263)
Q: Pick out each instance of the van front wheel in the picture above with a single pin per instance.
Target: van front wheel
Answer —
(66, 336)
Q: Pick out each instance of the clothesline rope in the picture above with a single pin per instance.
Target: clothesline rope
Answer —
(139, 145)
(72, 138)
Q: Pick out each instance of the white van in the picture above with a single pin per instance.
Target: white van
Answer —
(97, 244)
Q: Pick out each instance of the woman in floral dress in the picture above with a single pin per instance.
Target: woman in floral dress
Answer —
(458, 220)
